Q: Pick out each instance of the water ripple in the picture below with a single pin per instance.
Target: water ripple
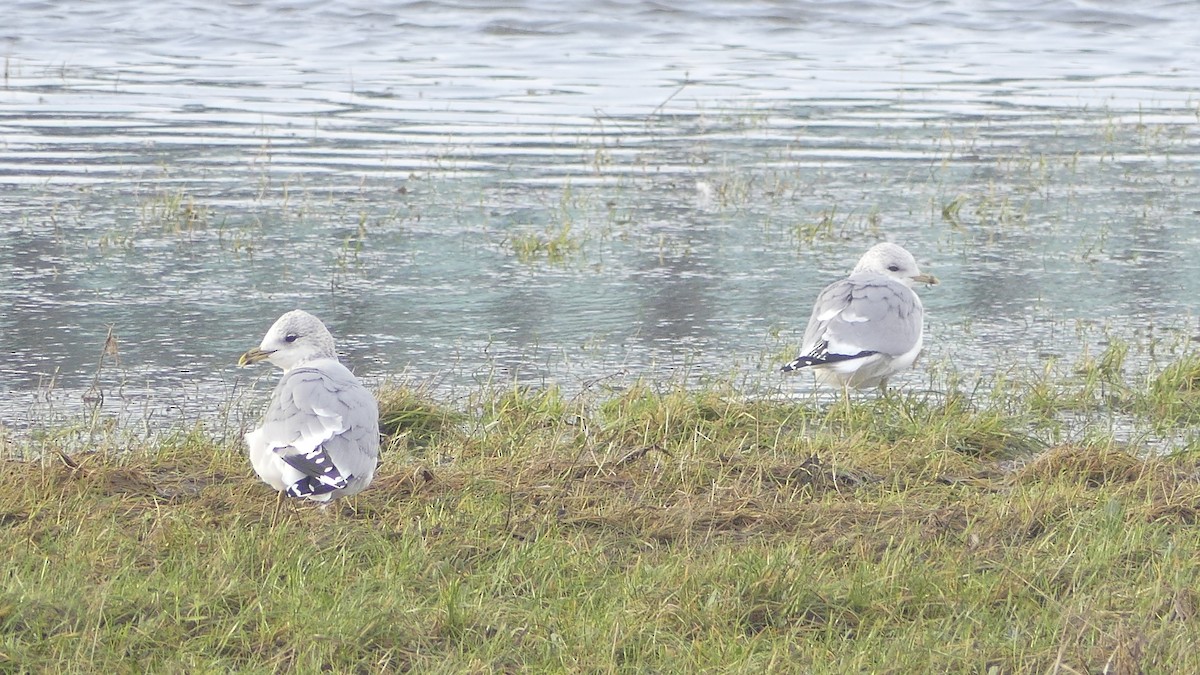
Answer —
(183, 174)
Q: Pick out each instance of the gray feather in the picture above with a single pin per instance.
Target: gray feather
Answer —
(865, 313)
(326, 409)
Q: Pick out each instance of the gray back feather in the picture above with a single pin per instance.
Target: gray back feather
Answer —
(892, 312)
(326, 407)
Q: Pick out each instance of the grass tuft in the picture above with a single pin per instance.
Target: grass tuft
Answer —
(410, 417)
(1173, 399)
(1094, 466)
(556, 244)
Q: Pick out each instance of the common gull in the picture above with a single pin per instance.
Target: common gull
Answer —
(868, 326)
(320, 436)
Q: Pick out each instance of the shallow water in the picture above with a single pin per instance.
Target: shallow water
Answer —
(184, 174)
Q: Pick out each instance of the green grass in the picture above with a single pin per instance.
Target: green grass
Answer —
(556, 244)
(656, 530)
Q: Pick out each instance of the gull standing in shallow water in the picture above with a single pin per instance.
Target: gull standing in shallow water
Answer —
(869, 325)
(320, 437)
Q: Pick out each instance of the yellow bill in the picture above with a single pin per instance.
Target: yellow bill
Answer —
(252, 357)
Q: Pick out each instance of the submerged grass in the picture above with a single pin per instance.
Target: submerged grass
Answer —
(556, 244)
(658, 530)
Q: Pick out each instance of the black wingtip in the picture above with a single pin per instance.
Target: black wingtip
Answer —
(321, 475)
(802, 362)
(807, 361)
(310, 486)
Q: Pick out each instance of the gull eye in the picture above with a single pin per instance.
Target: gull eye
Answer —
(892, 268)
(291, 337)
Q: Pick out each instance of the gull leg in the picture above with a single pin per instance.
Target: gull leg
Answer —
(845, 402)
(278, 506)
(883, 389)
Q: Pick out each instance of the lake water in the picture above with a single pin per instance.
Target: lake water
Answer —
(181, 173)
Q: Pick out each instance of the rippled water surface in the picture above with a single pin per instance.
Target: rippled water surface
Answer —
(563, 191)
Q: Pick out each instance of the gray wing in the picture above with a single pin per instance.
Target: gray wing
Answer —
(325, 424)
(864, 313)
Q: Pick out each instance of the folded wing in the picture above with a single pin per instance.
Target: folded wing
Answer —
(325, 425)
(859, 317)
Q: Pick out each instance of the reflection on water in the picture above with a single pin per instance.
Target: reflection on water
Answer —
(488, 191)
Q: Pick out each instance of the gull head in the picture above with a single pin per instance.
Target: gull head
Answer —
(893, 261)
(295, 338)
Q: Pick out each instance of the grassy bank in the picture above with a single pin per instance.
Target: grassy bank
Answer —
(651, 529)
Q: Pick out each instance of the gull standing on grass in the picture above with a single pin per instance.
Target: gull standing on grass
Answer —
(320, 437)
(869, 325)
